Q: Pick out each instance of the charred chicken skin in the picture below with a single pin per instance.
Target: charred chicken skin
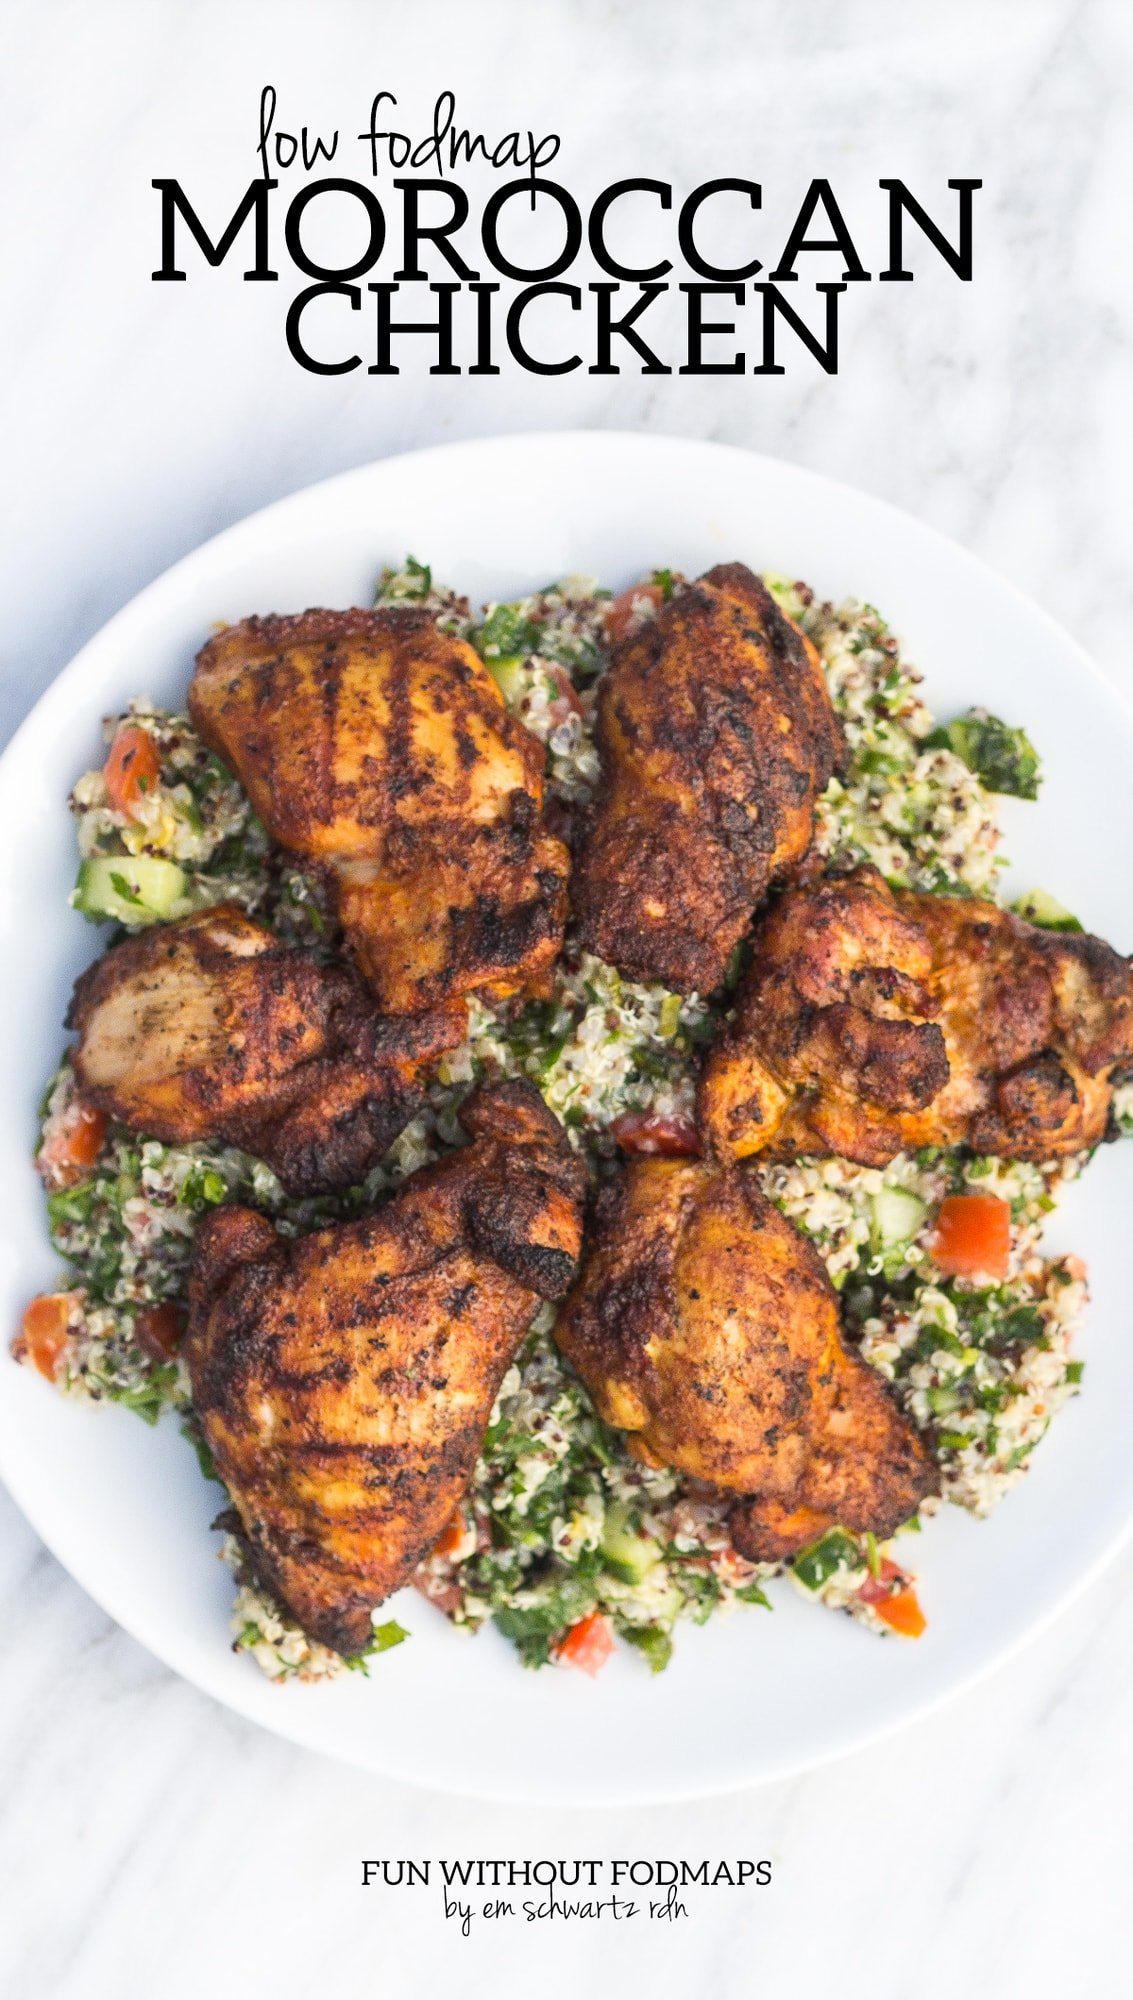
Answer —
(874, 1021)
(344, 1380)
(716, 737)
(705, 1326)
(210, 1028)
(380, 750)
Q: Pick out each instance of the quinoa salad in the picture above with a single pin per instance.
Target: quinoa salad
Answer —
(559, 1522)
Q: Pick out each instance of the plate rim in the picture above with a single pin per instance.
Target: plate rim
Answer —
(228, 538)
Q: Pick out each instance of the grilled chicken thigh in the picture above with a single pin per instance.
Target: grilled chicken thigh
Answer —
(344, 1380)
(874, 1021)
(380, 750)
(705, 1326)
(716, 737)
(210, 1028)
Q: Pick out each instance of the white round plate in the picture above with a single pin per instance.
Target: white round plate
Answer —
(751, 1696)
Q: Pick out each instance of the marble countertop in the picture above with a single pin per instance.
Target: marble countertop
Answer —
(150, 1841)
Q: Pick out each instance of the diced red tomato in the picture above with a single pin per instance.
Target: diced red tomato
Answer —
(623, 610)
(68, 1153)
(876, 1587)
(587, 1645)
(902, 1613)
(160, 1329)
(899, 1609)
(132, 768)
(42, 1338)
(450, 1540)
(648, 1132)
(973, 1236)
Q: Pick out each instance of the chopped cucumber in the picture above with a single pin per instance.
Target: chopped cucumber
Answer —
(626, 1553)
(897, 1216)
(833, 1551)
(1041, 908)
(129, 889)
(509, 676)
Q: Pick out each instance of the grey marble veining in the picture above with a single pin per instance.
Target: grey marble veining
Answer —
(150, 1842)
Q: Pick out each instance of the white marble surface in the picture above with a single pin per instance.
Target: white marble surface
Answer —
(150, 1842)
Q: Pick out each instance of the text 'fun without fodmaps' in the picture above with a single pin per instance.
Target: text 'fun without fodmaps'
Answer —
(572, 1874)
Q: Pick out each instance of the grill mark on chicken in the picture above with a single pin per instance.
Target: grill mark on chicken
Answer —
(401, 778)
(394, 769)
(716, 736)
(345, 1451)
